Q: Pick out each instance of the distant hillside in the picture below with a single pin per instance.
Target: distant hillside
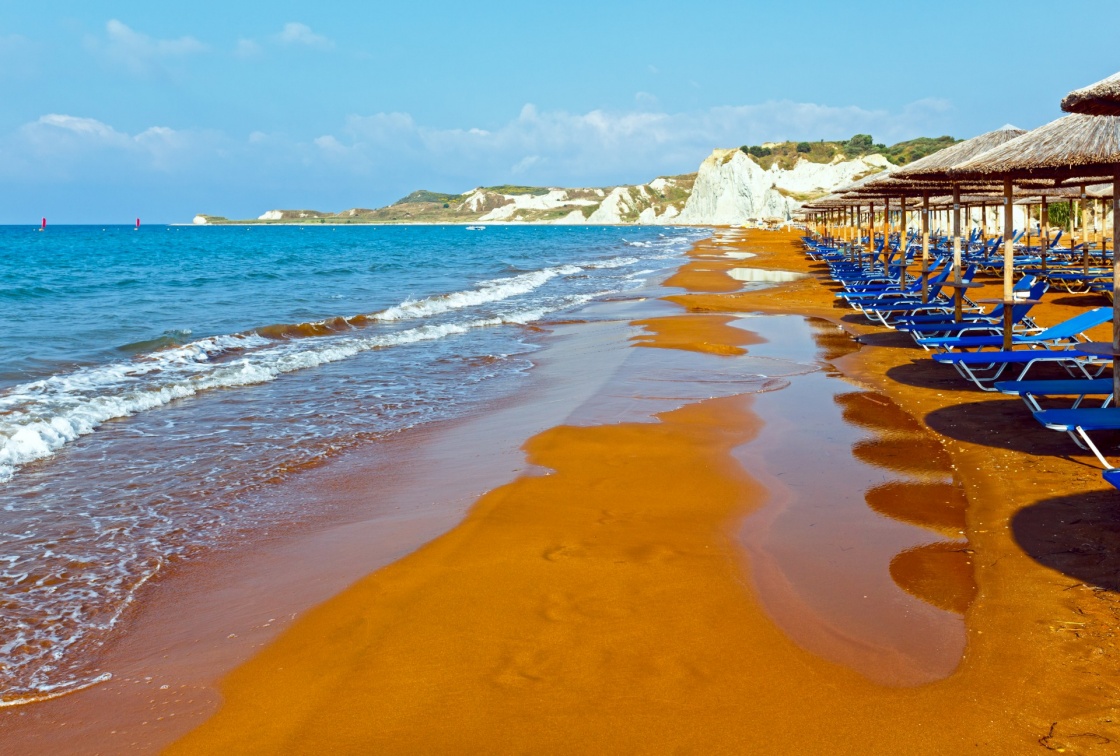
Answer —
(786, 154)
(767, 181)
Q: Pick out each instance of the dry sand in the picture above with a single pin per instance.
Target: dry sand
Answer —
(605, 601)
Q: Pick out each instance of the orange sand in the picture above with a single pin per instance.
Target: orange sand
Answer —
(603, 607)
(696, 333)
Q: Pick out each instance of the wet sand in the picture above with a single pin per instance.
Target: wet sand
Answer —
(753, 534)
(606, 606)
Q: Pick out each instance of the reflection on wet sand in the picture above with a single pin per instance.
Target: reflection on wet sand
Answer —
(938, 573)
(824, 601)
(819, 555)
(601, 605)
(936, 506)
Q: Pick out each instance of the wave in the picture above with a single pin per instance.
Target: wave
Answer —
(487, 292)
(173, 338)
(38, 419)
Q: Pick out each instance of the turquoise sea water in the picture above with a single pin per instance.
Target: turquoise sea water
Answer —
(154, 382)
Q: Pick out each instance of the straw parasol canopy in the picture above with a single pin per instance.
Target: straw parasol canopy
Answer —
(1100, 99)
(1075, 146)
(936, 164)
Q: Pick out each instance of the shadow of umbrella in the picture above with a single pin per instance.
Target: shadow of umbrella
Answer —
(939, 507)
(877, 413)
(832, 341)
(1001, 424)
(889, 339)
(925, 373)
(938, 573)
(1008, 425)
(1077, 535)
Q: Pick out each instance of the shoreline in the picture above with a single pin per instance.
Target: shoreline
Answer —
(766, 689)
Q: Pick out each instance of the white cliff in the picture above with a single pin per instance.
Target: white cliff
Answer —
(732, 189)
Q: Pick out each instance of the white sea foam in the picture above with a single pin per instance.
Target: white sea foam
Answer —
(78, 549)
(40, 418)
(486, 292)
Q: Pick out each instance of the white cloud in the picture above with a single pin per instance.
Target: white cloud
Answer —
(295, 33)
(67, 146)
(601, 147)
(139, 53)
(247, 48)
(372, 159)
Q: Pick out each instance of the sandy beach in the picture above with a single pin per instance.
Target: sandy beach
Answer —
(725, 517)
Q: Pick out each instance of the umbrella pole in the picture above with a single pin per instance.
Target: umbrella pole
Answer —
(1044, 221)
(925, 247)
(902, 243)
(1084, 231)
(886, 234)
(853, 232)
(1008, 265)
(869, 235)
(958, 303)
(984, 229)
(1115, 284)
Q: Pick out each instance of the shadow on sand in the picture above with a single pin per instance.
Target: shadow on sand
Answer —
(1077, 535)
(1002, 424)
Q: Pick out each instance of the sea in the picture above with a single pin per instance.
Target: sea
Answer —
(156, 382)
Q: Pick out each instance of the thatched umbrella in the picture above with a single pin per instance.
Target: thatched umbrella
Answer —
(1100, 99)
(853, 207)
(1074, 148)
(929, 174)
(938, 165)
(935, 165)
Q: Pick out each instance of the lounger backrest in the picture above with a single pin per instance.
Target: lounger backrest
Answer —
(1075, 325)
(1019, 311)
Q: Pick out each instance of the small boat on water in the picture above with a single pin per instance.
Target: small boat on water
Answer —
(137, 225)
(44, 226)
(476, 228)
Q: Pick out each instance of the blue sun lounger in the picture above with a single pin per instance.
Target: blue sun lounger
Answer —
(1031, 391)
(985, 368)
(886, 311)
(1112, 477)
(1065, 334)
(1028, 286)
(1078, 423)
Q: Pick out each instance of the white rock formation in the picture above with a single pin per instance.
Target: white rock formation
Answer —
(729, 189)
(571, 219)
(610, 210)
(200, 220)
(732, 189)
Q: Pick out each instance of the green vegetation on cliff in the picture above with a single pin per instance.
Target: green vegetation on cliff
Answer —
(423, 195)
(536, 191)
(786, 154)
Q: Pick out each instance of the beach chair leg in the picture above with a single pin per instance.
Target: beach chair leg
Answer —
(969, 375)
(1088, 444)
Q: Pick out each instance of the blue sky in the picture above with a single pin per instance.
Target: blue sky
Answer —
(113, 110)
